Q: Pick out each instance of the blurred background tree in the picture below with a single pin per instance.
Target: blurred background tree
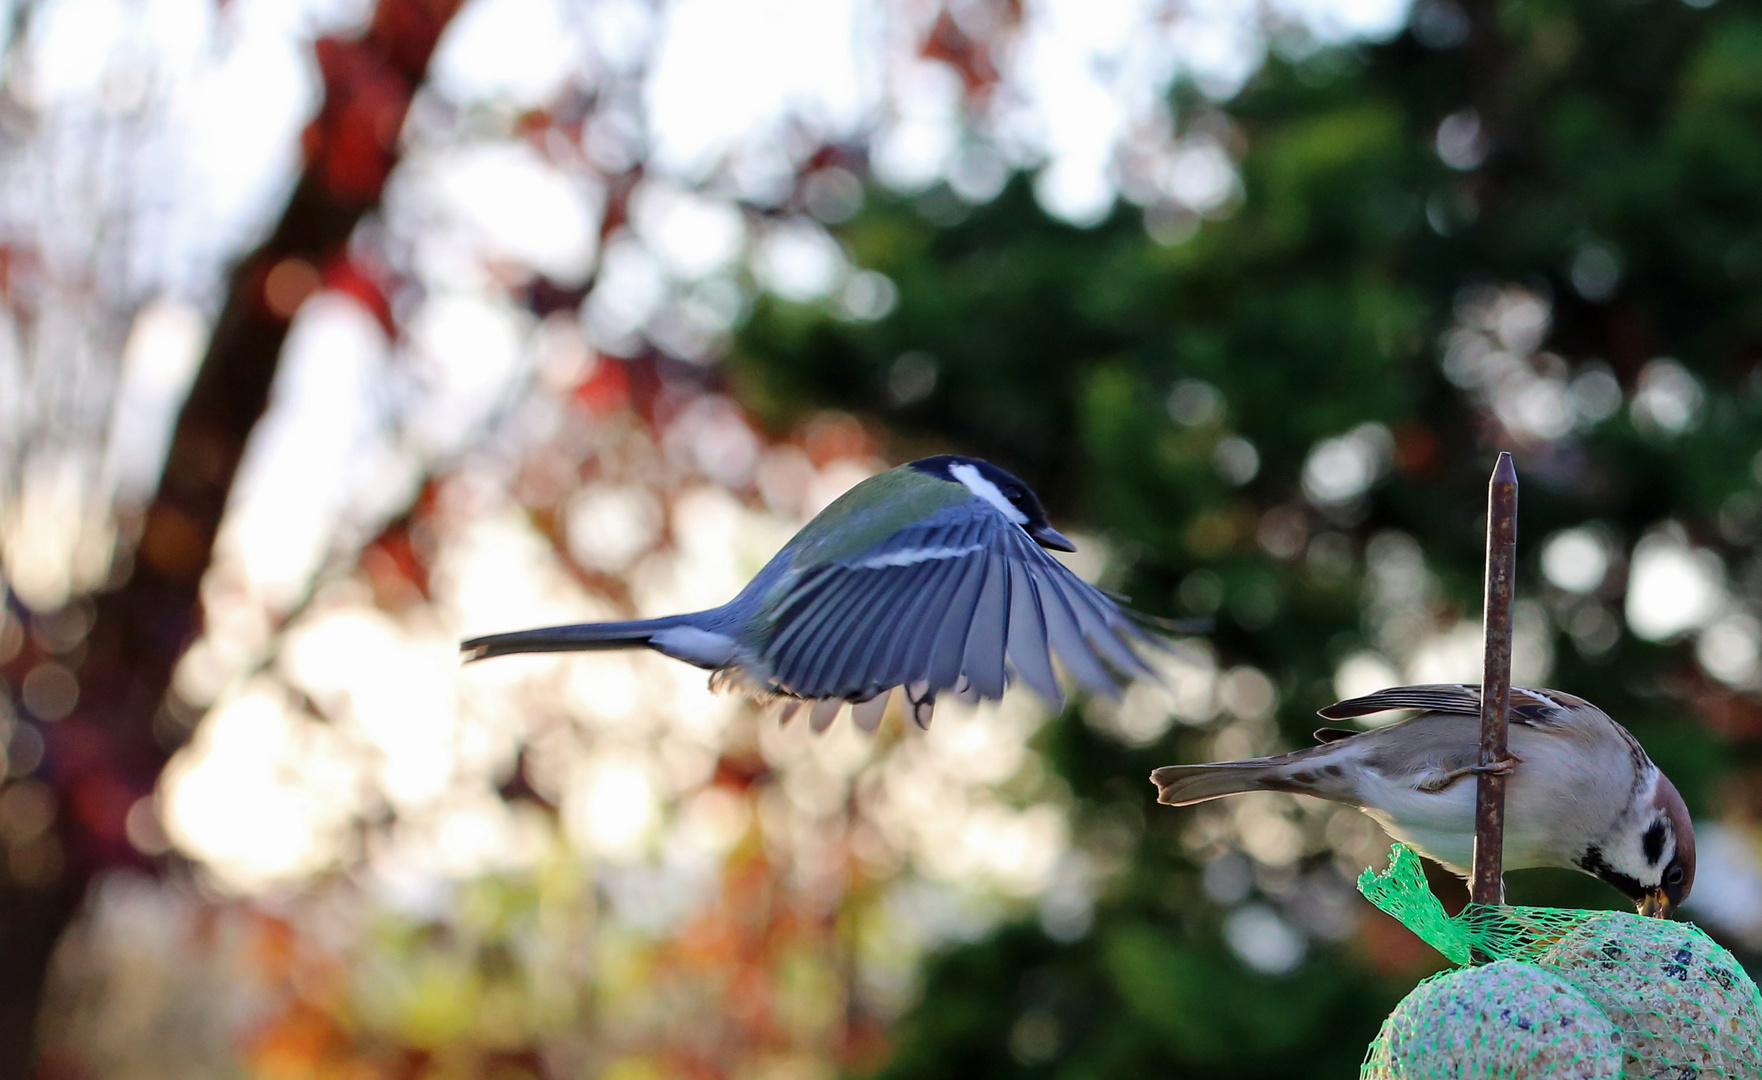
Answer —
(1508, 227)
(584, 314)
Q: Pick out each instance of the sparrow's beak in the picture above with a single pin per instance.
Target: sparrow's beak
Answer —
(1655, 904)
(1048, 537)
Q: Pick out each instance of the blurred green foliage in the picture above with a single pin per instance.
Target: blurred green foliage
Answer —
(1612, 169)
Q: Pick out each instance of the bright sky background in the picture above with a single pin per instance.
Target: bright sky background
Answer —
(209, 163)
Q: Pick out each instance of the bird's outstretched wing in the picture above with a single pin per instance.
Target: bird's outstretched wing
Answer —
(957, 602)
(1536, 708)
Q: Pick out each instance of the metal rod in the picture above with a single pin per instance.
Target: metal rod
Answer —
(1487, 879)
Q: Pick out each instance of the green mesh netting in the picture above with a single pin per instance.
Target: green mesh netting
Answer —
(1561, 994)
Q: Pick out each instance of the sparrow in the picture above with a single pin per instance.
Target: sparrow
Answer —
(1582, 793)
(932, 576)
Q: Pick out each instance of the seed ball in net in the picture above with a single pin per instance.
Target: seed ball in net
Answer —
(1683, 1004)
(1502, 1021)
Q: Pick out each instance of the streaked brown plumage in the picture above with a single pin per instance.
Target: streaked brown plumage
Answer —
(1582, 793)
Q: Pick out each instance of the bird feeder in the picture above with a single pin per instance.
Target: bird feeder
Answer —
(1548, 992)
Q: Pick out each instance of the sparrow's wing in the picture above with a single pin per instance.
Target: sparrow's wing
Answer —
(959, 601)
(1536, 708)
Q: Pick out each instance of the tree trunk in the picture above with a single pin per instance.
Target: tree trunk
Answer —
(110, 751)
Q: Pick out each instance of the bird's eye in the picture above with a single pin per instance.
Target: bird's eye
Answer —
(1673, 876)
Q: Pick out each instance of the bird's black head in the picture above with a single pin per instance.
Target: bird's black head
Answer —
(1012, 498)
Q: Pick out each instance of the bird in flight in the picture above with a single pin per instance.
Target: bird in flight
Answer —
(931, 577)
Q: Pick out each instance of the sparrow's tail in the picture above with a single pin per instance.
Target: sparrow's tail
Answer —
(585, 637)
(1183, 785)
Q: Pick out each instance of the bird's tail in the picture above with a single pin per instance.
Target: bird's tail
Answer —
(584, 637)
(1183, 785)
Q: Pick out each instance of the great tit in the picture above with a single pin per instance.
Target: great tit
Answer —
(929, 576)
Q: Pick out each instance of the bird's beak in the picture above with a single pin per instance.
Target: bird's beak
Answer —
(1048, 537)
(1655, 904)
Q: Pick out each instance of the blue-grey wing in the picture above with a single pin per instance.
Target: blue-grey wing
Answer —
(962, 601)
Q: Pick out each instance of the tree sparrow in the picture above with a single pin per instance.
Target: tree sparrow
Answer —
(1582, 793)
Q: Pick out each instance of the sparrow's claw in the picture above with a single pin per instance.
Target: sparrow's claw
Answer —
(1503, 767)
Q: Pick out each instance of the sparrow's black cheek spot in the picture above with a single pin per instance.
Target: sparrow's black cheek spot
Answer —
(1302, 778)
(1592, 862)
(1333, 770)
(1652, 843)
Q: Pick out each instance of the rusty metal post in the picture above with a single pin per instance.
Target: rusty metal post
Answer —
(1487, 879)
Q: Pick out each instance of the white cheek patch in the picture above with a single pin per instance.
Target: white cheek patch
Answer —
(986, 490)
(914, 556)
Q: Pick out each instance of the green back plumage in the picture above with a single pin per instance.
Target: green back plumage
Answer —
(870, 512)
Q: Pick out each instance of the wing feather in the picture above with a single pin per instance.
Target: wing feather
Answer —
(822, 645)
(798, 637)
(795, 616)
(918, 653)
(984, 653)
(823, 713)
(1536, 708)
(817, 654)
(1066, 637)
(891, 637)
(844, 671)
(961, 603)
(1027, 637)
(1094, 613)
(804, 611)
(947, 649)
(812, 588)
(868, 714)
(901, 647)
